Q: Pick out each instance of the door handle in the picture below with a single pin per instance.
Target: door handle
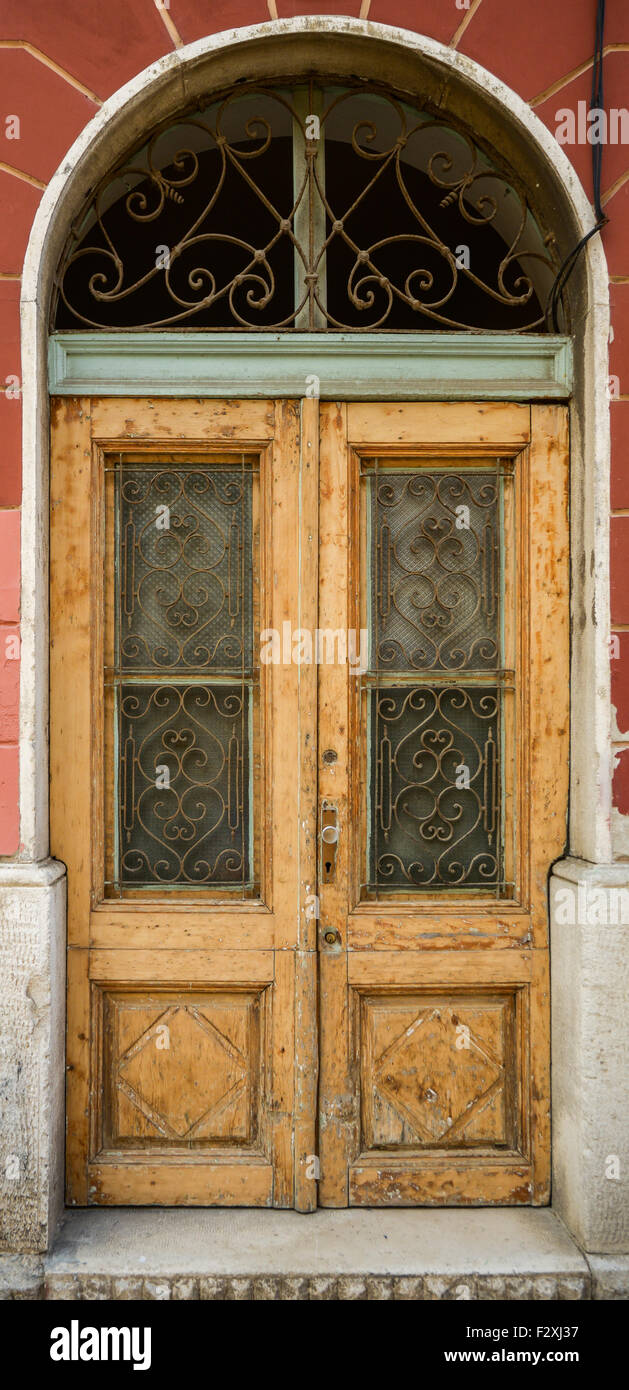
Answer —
(329, 836)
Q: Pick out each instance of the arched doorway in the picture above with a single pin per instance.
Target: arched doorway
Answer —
(385, 445)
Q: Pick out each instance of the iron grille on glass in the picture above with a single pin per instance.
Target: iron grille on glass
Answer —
(184, 784)
(185, 599)
(435, 576)
(434, 789)
(434, 724)
(183, 676)
(308, 209)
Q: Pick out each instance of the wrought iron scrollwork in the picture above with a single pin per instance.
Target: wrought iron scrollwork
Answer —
(434, 787)
(261, 213)
(435, 596)
(183, 785)
(184, 674)
(185, 589)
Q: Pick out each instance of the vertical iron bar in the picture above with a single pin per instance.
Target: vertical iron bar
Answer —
(375, 530)
(116, 579)
(241, 576)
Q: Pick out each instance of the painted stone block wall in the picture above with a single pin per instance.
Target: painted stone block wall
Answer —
(58, 66)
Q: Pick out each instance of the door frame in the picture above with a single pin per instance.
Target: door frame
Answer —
(35, 885)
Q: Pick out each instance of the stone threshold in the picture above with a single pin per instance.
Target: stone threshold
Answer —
(355, 1254)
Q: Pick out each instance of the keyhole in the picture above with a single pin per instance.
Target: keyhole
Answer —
(328, 866)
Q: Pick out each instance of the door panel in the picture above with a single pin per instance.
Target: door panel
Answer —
(176, 539)
(443, 537)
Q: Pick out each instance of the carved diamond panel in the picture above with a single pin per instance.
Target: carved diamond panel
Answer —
(438, 1072)
(180, 1069)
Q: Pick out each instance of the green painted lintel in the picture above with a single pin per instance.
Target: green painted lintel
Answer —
(336, 366)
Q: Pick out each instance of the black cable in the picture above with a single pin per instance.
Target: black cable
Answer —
(597, 103)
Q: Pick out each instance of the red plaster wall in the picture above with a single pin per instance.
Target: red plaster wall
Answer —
(58, 63)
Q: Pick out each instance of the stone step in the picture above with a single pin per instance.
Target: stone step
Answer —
(355, 1254)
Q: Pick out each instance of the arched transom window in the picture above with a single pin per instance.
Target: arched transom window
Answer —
(308, 208)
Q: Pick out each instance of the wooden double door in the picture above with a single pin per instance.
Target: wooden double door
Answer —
(309, 735)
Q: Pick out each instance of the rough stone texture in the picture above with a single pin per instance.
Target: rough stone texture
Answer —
(323, 1287)
(158, 1289)
(32, 965)
(62, 1286)
(185, 1290)
(267, 1288)
(610, 1276)
(211, 1288)
(237, 1288)
(590, 969)
(295, 1289)
(20, 1283)
(21, 1277)
(354, 1289)
(127, 1288)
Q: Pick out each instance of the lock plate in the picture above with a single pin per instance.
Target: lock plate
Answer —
(328, 840)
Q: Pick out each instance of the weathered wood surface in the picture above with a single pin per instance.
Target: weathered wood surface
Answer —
(191, 1023)
(434, 1010)
(432, 1016)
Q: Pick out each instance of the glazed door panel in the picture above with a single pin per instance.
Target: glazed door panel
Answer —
(443, 771)
(183, 800)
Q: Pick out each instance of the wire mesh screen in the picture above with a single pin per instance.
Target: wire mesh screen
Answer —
(184, 784)
(434, 787)
(434, 717)
(435, 581)
(183, 679)
(185, 594)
